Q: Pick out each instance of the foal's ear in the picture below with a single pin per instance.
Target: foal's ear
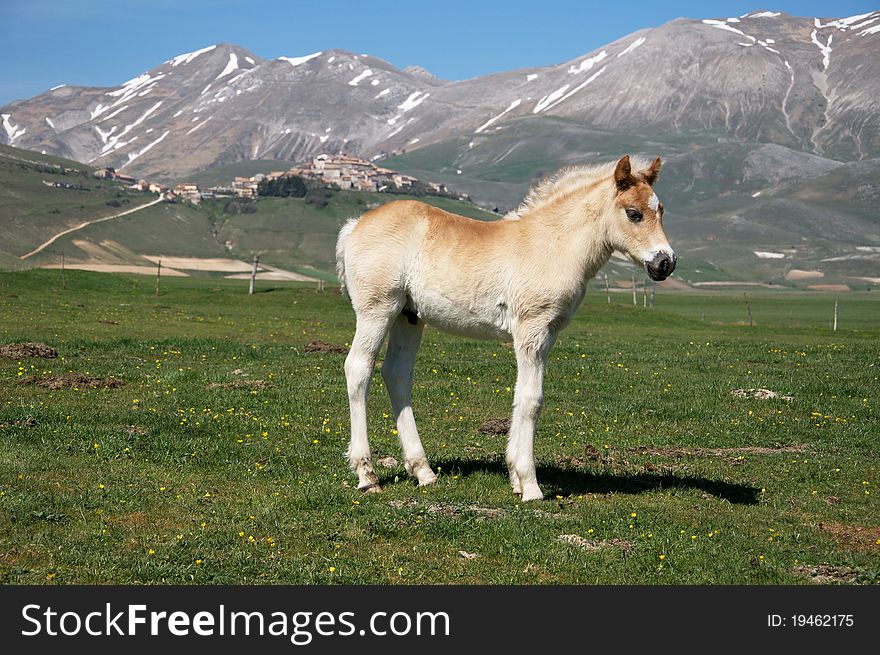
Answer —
(623, 177)
(653, 172)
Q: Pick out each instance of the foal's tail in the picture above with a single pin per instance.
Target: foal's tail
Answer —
(341, 241)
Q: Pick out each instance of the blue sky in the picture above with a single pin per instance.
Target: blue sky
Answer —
(104, 43)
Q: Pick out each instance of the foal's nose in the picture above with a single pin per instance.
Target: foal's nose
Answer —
(661, 266)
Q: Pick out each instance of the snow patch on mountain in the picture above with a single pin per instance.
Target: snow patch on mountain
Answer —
(724, 26)
(587, 63)
(134, 155)
(231, 65)
(844, 23)
(97, 111)
(513, 105)
(632, 46)
(824, 48)
(199, 125)
(115, 113)
(577, 88)
(105, 135)
(545, 102)
(298, 61)
(362, 76)
(12, 131)
(414, 100)
(187, 57)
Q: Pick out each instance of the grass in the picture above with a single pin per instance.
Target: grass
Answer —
(643, 453)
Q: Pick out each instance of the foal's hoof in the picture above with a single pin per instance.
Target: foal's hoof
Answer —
(375, 488)
(425, 476)
(533, 494)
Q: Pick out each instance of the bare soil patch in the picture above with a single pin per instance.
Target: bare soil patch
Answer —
(450, 510)
(22, 350)
(835, 288)
(760, 394)
(594, 546)
(853, 537)
(258, 385)
(798, 274)
(73, 380)
(30, 422)
(324, 347)
(497, 426)
(715, 452)
(826, 574)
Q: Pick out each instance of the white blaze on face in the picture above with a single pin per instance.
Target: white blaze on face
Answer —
(657, 248)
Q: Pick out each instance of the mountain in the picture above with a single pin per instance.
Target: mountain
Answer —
(810, 84)
(768, 126)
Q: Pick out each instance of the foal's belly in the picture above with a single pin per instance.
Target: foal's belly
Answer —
(481, 320)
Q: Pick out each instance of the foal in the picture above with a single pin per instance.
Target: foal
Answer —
(406, 264)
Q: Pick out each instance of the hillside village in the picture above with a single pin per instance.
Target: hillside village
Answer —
(336, 171)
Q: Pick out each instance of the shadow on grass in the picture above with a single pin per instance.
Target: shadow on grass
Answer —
(567, 481)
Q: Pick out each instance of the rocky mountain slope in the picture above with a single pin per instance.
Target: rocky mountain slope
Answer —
(810, 84)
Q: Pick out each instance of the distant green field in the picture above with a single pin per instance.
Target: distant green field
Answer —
(286, 232)
(220, 459)
(31, 211)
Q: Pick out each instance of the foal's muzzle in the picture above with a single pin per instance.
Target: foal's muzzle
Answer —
(661, 266)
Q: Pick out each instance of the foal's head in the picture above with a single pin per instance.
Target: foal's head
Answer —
(637, 223)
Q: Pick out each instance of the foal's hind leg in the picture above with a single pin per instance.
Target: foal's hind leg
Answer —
(369, 334)
(397, 371)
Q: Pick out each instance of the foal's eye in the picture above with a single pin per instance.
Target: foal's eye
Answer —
(633, 214)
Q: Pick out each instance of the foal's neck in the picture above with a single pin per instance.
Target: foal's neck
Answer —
(572, 232)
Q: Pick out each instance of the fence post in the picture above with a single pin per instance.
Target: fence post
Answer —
(748, 308)
(653, 286)
(63, 281)
(635, 304)
(253, 275)
(644, 294)
(607, 290)
(835, 316)
(158, 274)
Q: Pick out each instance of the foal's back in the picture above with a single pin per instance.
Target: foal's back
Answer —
(410, 247)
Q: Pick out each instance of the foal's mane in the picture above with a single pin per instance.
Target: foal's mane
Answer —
(565, 181)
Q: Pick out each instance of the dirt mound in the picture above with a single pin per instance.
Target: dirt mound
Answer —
(324, 347)
(760, 394)
(22, 350)
(259, 385)
(30, 422)
(450, 510)
(827, 574)
(587, 544)
(495, 426)
(73, 380)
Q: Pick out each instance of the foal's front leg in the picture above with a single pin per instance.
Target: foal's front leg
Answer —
(531, 359)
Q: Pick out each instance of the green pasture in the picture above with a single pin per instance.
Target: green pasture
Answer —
(219, 459)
